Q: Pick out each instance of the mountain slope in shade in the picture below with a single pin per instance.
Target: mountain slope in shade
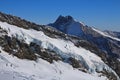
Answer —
(68, 25)
(36, 52)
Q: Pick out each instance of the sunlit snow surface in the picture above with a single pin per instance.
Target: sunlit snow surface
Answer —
(12, 68)
(16, 69)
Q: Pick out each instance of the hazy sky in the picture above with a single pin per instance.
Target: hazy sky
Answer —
(102, 14)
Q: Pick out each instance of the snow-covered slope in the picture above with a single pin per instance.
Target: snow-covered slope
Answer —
(43, 70)
(13, 68)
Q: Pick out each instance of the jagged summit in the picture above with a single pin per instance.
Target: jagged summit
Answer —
(64, 19)
(68, 25)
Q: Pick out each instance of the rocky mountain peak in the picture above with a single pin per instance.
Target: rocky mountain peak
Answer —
(68, 25)
(64, 19)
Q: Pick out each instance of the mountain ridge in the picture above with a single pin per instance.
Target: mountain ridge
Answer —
(44, 44)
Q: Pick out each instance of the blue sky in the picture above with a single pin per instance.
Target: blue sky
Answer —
(102, 14)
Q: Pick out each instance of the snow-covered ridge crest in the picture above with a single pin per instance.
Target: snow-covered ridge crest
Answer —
(106, 35)
(64, 48)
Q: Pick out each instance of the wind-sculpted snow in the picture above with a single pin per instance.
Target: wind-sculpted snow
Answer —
(40, 69)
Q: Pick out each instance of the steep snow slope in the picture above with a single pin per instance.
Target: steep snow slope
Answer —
(13, 68)
(66, 49)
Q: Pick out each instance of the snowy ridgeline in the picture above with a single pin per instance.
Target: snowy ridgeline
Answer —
(107, 35)
(16, 69)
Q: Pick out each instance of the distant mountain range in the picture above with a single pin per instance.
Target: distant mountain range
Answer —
(63, 50)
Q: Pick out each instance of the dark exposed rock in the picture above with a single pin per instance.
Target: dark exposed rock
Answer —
(75, 63)
(45, 54)
(17, 48)
(109, 75)
(17, 21)
(115, 64)
(61, 21)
